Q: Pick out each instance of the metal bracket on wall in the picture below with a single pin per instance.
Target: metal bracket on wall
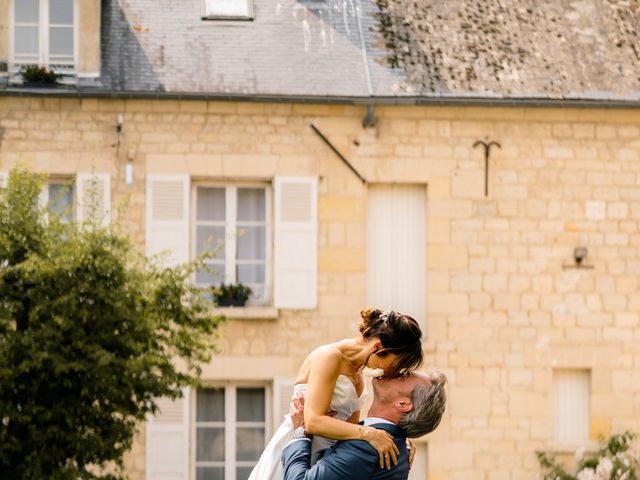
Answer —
(337, 152)
(487, 150)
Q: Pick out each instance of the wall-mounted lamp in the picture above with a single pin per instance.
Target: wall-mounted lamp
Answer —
(579, 255)
(119, 125)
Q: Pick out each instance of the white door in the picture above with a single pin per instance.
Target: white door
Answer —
(396, 249)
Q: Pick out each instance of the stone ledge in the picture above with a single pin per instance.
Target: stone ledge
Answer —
(248, 313)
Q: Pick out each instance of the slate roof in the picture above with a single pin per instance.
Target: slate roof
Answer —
(358, 49)
(292, 47)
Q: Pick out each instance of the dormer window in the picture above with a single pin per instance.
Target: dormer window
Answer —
(44, 34)
(228, 9)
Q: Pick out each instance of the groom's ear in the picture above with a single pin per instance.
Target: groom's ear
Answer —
(404, 404)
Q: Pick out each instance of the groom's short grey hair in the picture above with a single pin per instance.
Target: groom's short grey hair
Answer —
(428, 407)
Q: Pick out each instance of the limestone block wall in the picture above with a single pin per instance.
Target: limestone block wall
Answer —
(503, 312)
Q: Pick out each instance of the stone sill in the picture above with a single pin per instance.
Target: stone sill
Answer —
(248, 313)
(571, 448)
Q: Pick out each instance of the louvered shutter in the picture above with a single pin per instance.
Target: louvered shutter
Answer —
(571, 405)
(4, 177)
(167, 442)
(167, 226)
(93, 197)
(296, 242)
(282, 394)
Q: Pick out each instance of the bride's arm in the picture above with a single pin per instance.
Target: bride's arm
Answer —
(323, 374)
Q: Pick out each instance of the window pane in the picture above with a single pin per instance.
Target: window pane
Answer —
(210, 239)
(209, 444)
(210, 473)
(210, 405)
(61, 200)
(250, 404)
(250, 273)
(210, 204)
(61, 41)
(251, 204)
(242, 473)
(251, 243)
(228, 7)
(61, 11)
(26, 40)
(249, 443)
(27, 11)
(214, 277)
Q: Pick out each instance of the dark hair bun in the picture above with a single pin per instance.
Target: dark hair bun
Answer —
(399, 334)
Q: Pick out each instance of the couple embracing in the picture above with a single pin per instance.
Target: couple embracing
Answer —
(322, 438)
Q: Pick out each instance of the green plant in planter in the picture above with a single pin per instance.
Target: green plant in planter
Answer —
(36, 74)
(231, 295)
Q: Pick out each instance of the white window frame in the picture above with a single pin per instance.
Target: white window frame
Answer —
(67, 70)
(230, 426)
(244, 12)
(231, 228)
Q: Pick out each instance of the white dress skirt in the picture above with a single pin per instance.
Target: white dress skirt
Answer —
(344, 402)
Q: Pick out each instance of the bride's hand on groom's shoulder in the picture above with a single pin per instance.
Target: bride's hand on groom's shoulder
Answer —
(383, 443)
(296, 410)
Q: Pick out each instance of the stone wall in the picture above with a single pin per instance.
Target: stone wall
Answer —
(503, 310)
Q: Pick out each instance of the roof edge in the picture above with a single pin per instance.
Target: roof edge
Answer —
(447, 100)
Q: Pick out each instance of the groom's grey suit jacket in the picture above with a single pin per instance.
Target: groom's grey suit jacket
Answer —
(350, 459)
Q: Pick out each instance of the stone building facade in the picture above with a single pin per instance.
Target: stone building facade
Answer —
(507, 311)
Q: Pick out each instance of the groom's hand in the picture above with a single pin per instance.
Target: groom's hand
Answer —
(296, 410)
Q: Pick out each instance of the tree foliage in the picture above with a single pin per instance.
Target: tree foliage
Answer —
(91, 333)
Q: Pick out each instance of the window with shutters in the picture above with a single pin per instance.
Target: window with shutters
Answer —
(233, 223)
(228, 9)
(43, 33)
(230, 431)
(571, 406)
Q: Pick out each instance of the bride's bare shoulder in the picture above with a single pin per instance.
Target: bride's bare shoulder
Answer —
(325, 355)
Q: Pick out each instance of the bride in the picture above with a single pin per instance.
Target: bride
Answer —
(332, 383)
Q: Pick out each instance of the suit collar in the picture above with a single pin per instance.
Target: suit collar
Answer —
(392, 428)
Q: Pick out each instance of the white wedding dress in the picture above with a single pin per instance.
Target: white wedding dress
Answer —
(344, 402)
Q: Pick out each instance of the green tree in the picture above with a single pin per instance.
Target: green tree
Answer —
(91, 333)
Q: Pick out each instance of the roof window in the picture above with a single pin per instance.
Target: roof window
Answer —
(228, 10)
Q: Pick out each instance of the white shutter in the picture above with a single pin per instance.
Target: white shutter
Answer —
(396, 249)
(296, 242)
(167, 442)
(571, 406)
(167, 225)
(4, 177)
(93, 197)
(282, 394)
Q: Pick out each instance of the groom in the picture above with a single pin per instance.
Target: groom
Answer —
(408, 406)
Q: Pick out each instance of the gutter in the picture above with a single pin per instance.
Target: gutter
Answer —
(432, 100)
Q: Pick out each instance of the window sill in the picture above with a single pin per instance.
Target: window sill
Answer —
(248, 313)
(571, 448)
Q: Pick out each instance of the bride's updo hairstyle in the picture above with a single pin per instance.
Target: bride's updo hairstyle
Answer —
(398, 333)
